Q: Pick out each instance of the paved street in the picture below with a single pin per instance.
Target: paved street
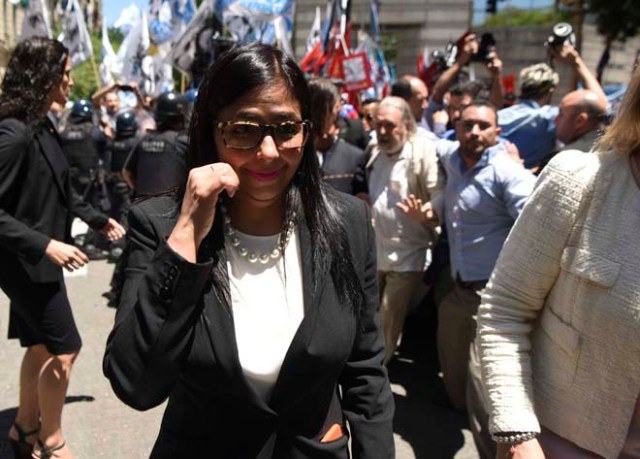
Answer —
(98, 425)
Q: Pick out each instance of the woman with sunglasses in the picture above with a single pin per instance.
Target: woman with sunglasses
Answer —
(251, 301)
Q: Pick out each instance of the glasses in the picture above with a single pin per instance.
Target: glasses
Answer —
(246, 135)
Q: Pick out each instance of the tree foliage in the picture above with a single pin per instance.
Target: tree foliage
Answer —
(616, 19)
(83, 75)
(515, 17)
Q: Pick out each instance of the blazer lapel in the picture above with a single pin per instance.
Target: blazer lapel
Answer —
(289, 372)
(222, 335)
(51, 150)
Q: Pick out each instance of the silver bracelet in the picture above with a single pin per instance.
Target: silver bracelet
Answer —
(513, 438)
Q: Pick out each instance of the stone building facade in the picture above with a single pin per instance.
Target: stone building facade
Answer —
(412, 24)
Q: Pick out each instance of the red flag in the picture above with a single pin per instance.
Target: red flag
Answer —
(308, 62)
(509, 83)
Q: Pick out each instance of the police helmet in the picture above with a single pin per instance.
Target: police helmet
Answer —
(126, 123)
(191, 95)
(170, 108)
(81, 110)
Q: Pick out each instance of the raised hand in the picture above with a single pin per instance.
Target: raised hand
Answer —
(416, 210)
(469, 49)
(203, 188)
(565, 54)
(494, 64)
(68, 256)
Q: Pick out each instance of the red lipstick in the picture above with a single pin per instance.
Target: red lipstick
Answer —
(265, 176)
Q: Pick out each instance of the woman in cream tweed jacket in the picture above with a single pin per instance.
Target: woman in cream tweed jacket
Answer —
(559, 324)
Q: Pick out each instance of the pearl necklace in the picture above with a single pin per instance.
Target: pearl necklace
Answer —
(253, 257)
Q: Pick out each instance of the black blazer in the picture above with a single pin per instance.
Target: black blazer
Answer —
(37, 202)
(174, 338)
(343, 168)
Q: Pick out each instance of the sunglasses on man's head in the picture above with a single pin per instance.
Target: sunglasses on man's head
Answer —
(247, 135)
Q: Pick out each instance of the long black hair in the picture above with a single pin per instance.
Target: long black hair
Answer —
(36, 65)
(232, 75)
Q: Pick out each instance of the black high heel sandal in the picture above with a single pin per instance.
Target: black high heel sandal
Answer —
(47, 452)
(21, 447)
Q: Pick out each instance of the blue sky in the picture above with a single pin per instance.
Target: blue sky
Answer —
(112, 8)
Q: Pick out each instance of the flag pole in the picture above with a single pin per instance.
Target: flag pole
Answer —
(95, 71)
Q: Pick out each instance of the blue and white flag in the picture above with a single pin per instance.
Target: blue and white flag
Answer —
(36, 20)
(75, 35)
(183, 10)
(375, 23)
(108, 57)
(129, 18)
(266, 21)
(380, 72)
(315, 33)
(134, 48)
(196, 38)
(161, 28)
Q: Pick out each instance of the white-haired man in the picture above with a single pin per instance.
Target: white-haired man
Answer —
(404, 182)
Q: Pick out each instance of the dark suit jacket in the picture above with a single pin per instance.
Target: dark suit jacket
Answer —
(37, 203)
(343, 168)
(174, 338)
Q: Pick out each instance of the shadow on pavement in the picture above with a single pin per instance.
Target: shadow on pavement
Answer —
(423, 416)
(7, 416)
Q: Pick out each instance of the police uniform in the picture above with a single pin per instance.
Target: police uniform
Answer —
(84, 145)
(119, 191)
(158, 162)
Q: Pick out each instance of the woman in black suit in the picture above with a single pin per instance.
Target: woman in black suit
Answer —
(36, 207)
(251, 302)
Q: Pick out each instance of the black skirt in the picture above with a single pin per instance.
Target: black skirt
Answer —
(40, 313)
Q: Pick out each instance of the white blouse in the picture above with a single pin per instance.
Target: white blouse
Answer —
(267, 303)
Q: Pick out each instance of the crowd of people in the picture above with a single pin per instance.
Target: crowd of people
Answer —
(277, 241)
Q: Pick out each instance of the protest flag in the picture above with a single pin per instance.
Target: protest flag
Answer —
(75, 35)
(36, 20)
(108, 57)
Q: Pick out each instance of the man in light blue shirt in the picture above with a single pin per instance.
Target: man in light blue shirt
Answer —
(530, 124)
(485, 191)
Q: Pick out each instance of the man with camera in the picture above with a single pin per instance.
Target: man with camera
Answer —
(468, 50)
(530, 124)
(108, 99)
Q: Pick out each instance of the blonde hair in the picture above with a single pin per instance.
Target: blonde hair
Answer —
(403, 106)
(623, 136)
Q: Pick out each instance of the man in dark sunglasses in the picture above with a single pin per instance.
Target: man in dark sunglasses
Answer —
(368, 110)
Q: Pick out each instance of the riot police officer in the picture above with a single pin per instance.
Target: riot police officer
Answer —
(85, 147)
(123, 143)
(125, 140)
(157, 164)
